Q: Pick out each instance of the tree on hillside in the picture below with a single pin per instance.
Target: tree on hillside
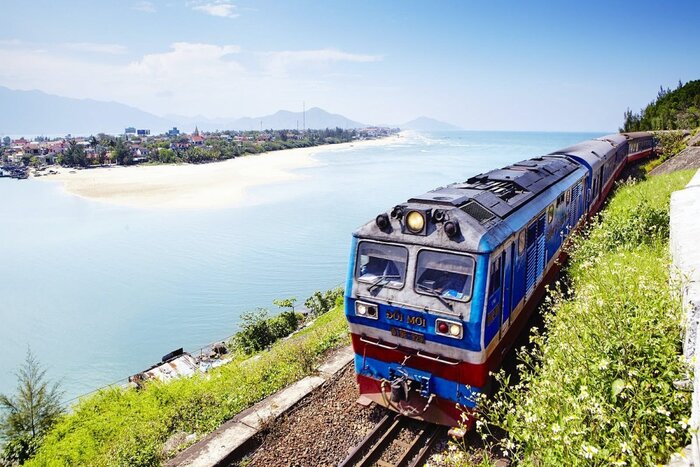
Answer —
(671, 110)
(30, 413)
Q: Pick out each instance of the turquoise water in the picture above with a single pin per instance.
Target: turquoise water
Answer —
(100, 292)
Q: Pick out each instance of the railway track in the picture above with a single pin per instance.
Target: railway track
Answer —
(395, 441)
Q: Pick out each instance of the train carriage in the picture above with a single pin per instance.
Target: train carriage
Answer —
(439, 288)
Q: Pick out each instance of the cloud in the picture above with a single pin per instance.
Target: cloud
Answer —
(144, 6)
(94, 47)
(222, 9)
(187, 78)
(282, 62)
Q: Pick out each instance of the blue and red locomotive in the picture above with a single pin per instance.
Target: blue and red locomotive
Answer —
(439, 287)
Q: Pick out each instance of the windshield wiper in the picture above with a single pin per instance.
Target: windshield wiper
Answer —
(435, 294)
(379, 281)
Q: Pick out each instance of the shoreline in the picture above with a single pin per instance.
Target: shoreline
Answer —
(213, 185)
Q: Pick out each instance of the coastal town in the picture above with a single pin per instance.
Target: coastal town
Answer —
(21, 157)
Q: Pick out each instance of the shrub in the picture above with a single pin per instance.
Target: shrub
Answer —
(320, 303)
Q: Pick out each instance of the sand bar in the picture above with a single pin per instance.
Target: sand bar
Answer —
(194, 186)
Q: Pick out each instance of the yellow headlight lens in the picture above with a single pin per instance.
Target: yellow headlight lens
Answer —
(455, 329)
(415, 221)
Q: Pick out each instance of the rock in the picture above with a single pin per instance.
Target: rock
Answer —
(173, 443)
(694, 140)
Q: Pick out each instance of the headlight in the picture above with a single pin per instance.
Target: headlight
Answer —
(415, 221)
(448, 328)
(366, 310)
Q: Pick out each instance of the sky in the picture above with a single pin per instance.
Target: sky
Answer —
(490, 65)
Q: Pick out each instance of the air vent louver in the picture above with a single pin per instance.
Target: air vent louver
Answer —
(477, 211)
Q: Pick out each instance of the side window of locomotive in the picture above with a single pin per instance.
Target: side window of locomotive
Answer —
(495, 279)
(521, 242)
(377, 261)
(444, 274)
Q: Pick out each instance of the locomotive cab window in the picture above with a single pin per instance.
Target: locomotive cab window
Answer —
(445, 275)
(381, 264)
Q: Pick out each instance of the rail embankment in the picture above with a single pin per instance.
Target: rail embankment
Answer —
(597, 385)
(685, 253)
(148, 426)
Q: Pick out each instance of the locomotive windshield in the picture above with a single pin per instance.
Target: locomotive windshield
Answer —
(445, 275)
(381, 264)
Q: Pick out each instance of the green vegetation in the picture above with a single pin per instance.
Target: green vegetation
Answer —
(672, 110)
(320, 303)
(128, 427)
(207, 148)
(28, 415)
(258, 331)
(597, 386)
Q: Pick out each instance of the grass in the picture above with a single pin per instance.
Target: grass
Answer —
(129, 427)
(596, 387)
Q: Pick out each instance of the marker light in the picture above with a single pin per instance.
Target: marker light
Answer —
(366, 310)
(448, 328)
(415, 221)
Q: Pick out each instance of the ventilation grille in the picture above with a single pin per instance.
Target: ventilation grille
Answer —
(477, 211)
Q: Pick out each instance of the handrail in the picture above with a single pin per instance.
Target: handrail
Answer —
(436, 358)
(379, 344)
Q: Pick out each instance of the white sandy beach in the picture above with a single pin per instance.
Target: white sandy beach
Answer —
(194, 186)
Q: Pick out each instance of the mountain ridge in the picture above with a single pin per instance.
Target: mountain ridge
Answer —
(36, 112)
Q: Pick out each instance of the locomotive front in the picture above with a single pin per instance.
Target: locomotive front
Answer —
(414, 308)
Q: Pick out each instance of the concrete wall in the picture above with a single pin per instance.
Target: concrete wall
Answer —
(685, 254)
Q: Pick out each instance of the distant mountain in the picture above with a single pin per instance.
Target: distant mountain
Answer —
(284, 119)
(428, 124)
(34, 113)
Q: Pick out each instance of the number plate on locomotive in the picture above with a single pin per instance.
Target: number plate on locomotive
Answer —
(408, 335)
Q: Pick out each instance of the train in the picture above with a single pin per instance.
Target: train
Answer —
(439, 287)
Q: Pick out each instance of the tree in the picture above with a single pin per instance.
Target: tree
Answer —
(30, 413)
(285, 302)
(74, 155)
(122, 154)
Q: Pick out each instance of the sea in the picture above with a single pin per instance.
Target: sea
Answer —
(99, 292)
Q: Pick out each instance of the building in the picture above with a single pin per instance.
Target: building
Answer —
(143, 132)
(173, 133)
(130, 130)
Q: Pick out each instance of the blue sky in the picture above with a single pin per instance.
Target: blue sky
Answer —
(571, 66)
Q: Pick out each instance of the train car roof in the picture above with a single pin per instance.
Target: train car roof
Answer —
(592, 152)
(615, 139)
(637, 134)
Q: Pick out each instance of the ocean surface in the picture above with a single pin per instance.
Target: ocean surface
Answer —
(100, 292)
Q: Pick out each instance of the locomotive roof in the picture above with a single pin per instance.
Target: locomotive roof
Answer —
(501, 191)
(482, 203)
